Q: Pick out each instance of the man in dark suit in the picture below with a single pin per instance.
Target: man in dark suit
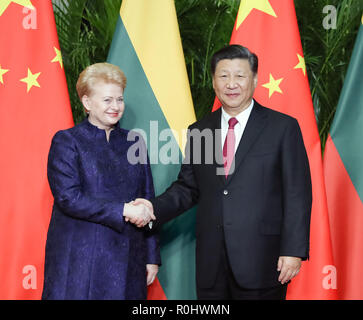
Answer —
(254, 196)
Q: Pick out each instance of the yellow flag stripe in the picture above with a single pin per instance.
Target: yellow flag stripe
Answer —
(153, 30)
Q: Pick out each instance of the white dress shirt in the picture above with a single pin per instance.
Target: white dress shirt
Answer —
(239, 128)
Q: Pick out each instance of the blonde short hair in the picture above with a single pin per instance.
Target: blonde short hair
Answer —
(94, 73)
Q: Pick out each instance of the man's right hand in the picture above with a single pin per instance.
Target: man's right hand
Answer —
(146, 203)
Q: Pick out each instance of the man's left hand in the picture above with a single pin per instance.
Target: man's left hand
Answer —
(289, 267)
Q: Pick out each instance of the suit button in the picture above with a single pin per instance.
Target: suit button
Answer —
(225, 192)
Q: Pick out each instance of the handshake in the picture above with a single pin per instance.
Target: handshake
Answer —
(139, 212)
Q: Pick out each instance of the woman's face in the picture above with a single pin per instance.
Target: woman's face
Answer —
(105, 104)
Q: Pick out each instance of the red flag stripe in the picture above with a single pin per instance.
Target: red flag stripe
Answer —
(346, 220)
(155, 291)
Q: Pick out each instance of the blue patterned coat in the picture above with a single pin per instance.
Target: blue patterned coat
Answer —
(91, 252)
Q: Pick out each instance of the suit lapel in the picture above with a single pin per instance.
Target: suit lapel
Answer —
(255, 124)
(215, 126)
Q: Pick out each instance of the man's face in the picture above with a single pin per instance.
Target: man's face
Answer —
(234, 84)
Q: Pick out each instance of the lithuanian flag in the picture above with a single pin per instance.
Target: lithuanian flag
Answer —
(147, 47)
(343, 164)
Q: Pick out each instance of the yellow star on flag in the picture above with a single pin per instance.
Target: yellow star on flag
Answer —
(5, 3)
(273, 86)
(2, 72)
(247, 6)
(31, 80)
(58, 57)
(301, 65)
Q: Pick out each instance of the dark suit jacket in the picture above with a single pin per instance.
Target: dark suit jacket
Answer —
(262, 211)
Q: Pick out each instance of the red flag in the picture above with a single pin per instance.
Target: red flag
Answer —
(34, 105)
(269, 28)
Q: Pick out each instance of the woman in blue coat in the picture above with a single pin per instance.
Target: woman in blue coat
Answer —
(93, 251)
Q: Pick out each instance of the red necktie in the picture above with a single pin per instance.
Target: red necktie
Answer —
(229, 145)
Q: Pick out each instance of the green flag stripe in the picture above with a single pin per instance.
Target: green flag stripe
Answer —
(347, 127)
(177, 274)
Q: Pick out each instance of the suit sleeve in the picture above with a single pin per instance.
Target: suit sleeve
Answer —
(182, 195)
(66, 185)
(297, 194)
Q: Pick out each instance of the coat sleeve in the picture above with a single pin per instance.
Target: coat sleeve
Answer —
(66, 186)
(297, 194)
(182, 195)
(152, 238)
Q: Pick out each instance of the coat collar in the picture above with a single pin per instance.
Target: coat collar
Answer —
(94, 130)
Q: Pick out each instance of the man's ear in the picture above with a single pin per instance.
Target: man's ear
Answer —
(255, 80)
(86, 103)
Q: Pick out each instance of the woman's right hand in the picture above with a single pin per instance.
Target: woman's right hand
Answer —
(140, 215)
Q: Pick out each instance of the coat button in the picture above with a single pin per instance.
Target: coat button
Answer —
(225, 192)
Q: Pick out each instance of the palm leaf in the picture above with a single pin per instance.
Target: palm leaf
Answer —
(85, 30)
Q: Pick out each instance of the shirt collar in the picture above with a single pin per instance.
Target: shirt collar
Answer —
(241, 116)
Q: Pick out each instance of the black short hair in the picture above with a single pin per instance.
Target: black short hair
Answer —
(235, 51)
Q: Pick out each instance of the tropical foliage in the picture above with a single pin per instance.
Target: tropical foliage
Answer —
(85, 30)
(86, 27)
(327, 51)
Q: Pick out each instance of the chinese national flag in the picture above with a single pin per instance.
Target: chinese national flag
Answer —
(34, 105)
(269, 28)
